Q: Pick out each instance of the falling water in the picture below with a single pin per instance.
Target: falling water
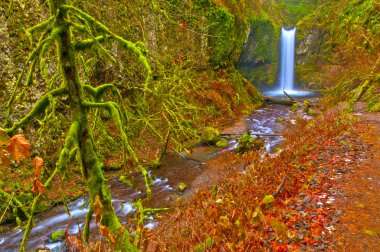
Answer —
(287, 59)
(286, 78)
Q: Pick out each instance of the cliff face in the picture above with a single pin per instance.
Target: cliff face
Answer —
(204, 35)
(259, 59)
(340, 48)
(16, 16)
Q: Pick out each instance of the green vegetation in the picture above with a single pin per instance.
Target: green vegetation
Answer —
(247, 143)
(344, 54)
(107, 95)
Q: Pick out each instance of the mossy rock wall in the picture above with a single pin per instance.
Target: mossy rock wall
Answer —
(259, 59)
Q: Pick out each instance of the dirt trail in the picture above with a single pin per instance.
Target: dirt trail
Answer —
(358, 195)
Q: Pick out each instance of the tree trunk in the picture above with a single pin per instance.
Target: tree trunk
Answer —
(92, 167)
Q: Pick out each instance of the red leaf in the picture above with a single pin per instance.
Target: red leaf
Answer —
(182, 26)
(38, 187)
(19, 147)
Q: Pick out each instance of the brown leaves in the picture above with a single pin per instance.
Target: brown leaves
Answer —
(38, 163)
(106, 232)
(97, 207)
(182, 26)
(4, 138)
(4, 155)
(38, 187)
(19, 147)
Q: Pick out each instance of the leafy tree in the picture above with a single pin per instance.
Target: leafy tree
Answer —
(64, 29)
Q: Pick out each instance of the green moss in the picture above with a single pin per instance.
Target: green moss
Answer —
(210, 135)
(280, 120)
(306, 106)
(182, 187)
(58, 235)
(294, 107)
(222, 143)
(222, 40)
(259, 59)
(311, 112)
(246, 143)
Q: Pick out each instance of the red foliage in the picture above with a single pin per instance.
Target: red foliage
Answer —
(235, 218)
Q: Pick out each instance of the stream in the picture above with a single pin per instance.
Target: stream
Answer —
(188, 169)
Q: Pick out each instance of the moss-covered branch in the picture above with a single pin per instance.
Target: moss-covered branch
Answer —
(61, 165)
(87, 43)
(38, 109)
(30, 223)
(71, 143)
(43, 26)
(114, 110)
(16, 201)
(99, 91)
(44, 43)
(123, 42)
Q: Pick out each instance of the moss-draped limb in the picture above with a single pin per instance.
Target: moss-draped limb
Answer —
(30, 223)
(114, 110)
(97, 43)
(99, 91)
(143, 212)
(71, 142)
(137, 51)
(12, 98)
(87, 224)
(43, 26)
(38, 109)
(45, 42)
(87, 43)
(124, 43)
(97, 185)
(16, 201)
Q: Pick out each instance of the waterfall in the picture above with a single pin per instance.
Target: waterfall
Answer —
(286, 78)
(286, 74)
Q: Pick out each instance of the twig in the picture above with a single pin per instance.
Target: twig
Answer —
(273, 100)
(280, 187)
(6, 209)
(266, 105)
(256, 134)
(288, 95)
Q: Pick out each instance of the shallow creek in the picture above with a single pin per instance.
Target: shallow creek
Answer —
(189, 169)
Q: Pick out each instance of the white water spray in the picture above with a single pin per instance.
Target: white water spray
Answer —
(286, 78)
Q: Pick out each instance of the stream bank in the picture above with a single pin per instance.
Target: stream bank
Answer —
(303, 216)
(202, 169)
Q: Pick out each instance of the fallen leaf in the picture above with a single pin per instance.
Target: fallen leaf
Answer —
(97, 208)
(268, 200)
(38, 187)
(5, 160)
(38, 163)
(19, 147)
(370, 232)
(4, 138)
(106, 232)
(280, 228)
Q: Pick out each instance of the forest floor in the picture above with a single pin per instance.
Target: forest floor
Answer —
(358, 193)
(329, 202)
